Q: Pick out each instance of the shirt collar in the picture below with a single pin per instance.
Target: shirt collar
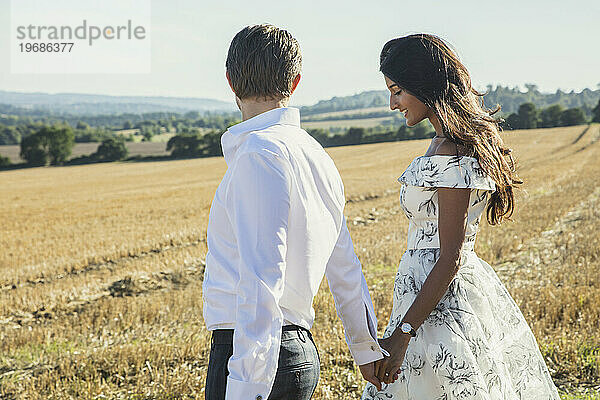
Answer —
(233, 138)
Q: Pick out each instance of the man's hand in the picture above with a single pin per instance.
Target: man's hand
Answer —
(368, 372)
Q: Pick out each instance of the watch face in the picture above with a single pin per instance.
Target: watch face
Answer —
(405, 327)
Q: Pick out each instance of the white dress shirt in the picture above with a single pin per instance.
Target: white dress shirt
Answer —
(276, 227)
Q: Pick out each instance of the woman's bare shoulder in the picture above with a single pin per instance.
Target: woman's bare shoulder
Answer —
(449, 148)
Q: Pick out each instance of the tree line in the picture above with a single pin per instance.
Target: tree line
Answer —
(509, 98)
(53, 144)
(17, 123)
(17, 129)
(529, 116)
(209, 144)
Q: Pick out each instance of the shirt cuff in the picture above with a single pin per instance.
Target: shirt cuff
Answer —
(366, 352)
(238, 390)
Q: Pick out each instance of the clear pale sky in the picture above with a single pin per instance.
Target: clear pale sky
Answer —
(554, 44)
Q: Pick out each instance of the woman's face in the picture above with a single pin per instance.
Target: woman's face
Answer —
(414, 110)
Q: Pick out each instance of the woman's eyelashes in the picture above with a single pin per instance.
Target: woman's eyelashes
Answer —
(398, 92)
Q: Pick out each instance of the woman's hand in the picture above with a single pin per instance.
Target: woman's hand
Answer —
(387, 369)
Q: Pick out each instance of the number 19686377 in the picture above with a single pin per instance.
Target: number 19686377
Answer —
(46, 47)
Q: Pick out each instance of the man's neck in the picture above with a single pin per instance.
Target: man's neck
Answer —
(252, 108)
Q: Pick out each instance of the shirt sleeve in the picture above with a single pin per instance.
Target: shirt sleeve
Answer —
(352, 300)
(259, 193)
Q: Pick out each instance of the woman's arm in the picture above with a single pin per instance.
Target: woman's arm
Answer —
(453, 206)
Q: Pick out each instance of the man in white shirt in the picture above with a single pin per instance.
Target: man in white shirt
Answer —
(276, 227)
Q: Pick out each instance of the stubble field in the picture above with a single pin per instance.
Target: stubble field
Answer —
(101, 268)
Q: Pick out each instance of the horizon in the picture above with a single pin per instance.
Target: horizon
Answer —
(295, 105)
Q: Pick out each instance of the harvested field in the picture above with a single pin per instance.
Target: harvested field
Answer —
(101, 268)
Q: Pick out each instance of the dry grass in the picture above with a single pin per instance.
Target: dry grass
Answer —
(100, 285)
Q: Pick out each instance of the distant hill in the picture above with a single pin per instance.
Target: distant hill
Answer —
(372, 98)
(509, 98)
(92, 104)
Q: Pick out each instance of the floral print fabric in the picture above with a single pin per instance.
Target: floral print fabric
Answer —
(476, 343)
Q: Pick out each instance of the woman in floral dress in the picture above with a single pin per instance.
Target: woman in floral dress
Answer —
(455, 332)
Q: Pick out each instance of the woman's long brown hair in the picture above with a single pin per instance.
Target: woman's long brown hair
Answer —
(425, 66)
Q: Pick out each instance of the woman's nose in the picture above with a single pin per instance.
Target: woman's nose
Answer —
(393, 104)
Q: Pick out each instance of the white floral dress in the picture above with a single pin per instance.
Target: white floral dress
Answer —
(475, 344)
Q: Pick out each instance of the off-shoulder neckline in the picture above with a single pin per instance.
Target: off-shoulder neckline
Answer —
(451, 163)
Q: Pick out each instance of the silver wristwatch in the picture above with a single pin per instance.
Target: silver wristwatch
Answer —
(407, 328)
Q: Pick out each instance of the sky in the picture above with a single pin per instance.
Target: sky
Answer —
(553, 44)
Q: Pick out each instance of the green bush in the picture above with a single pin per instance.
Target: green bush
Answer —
(572, 116)
(4, 161)
(49, 143)
(195, 145)
(596, 113)
(111, 149)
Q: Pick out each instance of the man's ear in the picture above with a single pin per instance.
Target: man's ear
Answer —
(229, 81)
(296, 82)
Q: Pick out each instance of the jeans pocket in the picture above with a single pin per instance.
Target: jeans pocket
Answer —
(292, 355)
(298, 371)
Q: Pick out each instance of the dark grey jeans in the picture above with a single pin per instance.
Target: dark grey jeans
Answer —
(297, 371)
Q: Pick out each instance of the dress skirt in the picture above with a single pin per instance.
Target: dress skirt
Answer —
(475, 344)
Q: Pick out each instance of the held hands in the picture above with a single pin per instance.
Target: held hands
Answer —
(387, 369)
